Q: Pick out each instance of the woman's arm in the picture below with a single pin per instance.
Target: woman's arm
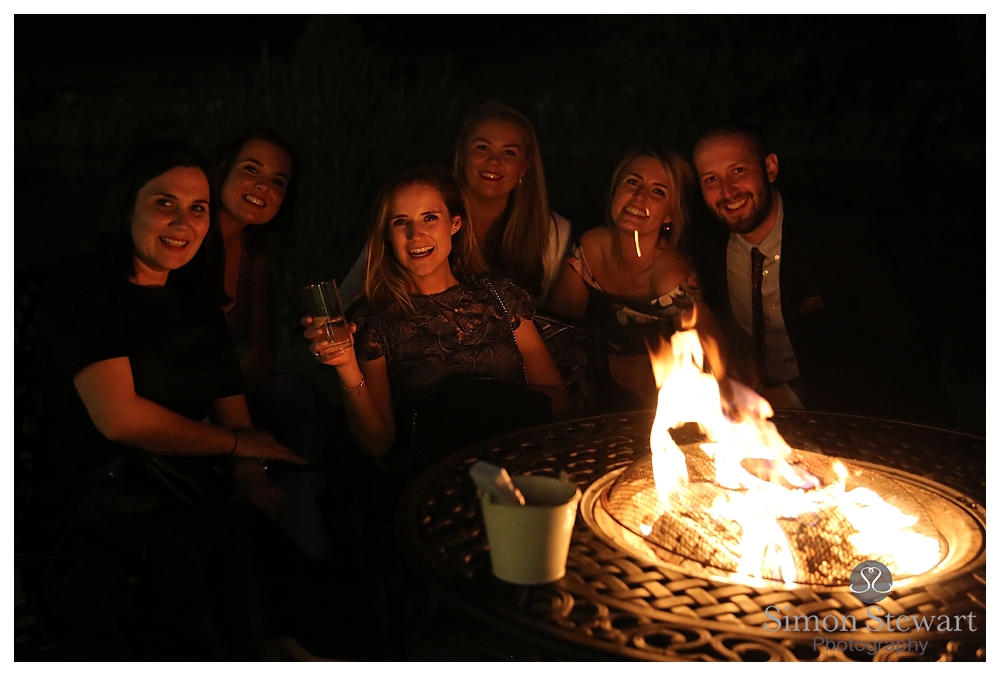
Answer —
(250, 476)
(258, 360)
(539, 368)
(366, 393)
(569, 294)
(108, 392)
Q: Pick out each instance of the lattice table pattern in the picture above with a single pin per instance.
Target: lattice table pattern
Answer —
(613, 604)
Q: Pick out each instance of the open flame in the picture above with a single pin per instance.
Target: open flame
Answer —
(764, 492)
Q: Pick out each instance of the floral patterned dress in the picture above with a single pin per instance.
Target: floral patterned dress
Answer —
(629, 322)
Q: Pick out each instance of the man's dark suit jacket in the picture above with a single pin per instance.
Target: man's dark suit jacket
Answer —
(857, 350)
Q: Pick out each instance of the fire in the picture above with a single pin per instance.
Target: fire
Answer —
(758, 493)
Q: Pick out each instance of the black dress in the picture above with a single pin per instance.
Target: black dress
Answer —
(179, 351)
(454, 367)
(460, 333)
(168, 579)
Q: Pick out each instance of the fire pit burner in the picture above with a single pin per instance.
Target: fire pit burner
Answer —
(690, 536)
(614, 602)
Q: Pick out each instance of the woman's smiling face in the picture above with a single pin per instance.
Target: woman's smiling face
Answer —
(169, 222)
(641, 200)
(495, 159)
(255, 187)
(420, 230)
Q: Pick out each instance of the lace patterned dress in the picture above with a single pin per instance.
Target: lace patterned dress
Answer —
(457, 334)
(628, 322)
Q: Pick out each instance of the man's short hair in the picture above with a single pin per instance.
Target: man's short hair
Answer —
(736, 128)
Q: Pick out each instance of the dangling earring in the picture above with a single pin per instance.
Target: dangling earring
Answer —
(520, 180)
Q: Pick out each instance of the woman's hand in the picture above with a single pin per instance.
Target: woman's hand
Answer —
(253, 444)
(322, 349)
(254, 486)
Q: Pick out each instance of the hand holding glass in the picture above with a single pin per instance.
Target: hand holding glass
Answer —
(322, 302)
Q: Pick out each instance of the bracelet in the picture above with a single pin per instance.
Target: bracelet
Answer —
(236, 442)
(354, 389)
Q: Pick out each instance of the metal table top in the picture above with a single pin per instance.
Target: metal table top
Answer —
(614, 605)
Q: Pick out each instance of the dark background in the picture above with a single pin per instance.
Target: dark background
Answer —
(884, 112)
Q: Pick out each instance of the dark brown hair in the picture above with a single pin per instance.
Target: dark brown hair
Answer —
(203, 275)
(225, 155)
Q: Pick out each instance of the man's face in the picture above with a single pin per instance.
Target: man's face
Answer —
(734, 184)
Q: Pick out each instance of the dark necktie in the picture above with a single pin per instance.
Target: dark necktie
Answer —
(757, 298)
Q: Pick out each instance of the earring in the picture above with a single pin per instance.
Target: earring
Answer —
(520, 180)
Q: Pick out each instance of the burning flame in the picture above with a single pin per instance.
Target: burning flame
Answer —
(755, 464)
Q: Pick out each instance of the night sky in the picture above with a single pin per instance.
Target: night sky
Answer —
(887, 113)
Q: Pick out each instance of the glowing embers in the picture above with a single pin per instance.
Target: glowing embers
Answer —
(735, 501)
(757, 535)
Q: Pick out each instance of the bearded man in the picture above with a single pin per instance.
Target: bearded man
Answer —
(811, 323)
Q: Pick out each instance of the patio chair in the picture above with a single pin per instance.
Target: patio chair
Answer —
(578, 350)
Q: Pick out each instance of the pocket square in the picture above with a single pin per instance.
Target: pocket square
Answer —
(811, 305)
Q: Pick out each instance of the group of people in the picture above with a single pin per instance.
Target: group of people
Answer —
(161, 343)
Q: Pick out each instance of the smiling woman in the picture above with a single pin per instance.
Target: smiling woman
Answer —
(630, 278)
(498, 166)
(432, 316)
(169, 222)
(256, 173)
(142, 383)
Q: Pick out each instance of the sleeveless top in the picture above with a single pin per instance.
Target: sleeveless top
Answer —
(629, 322)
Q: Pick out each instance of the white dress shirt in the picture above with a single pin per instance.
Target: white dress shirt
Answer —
(781, 364)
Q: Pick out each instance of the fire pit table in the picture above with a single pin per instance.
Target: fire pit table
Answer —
(614, 603)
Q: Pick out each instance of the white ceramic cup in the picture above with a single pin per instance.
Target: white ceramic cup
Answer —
(529, 544)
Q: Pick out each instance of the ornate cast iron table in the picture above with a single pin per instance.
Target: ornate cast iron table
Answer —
(614, 605)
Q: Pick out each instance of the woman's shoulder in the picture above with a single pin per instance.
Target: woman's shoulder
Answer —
(485, 280)
(595, 246)
(510, 292)
(674, 271)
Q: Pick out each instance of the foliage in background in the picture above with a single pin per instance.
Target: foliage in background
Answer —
(885, 112)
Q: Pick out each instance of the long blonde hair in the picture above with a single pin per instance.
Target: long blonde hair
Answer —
(681, 179)
(386, 281)
(517, 243)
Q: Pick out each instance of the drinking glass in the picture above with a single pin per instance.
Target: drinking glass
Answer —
(321, 301)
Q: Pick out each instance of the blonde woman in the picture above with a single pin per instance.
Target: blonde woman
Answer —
(498, 167)
(629, 276)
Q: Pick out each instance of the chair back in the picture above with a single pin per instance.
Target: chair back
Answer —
(578, 351)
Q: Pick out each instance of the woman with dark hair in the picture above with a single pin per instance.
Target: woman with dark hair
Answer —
(631, 278)
(147, 404)
(498, 167)
(431, 315)
(255, 173)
